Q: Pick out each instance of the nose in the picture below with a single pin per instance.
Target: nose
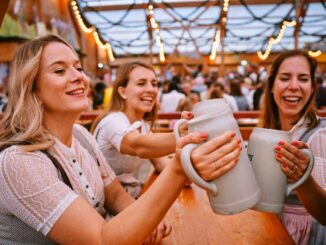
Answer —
(150, 87)
(294, 84)
(77, 76)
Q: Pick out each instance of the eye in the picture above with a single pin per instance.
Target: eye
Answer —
(80, 69)
(59, 71)
(154, 84)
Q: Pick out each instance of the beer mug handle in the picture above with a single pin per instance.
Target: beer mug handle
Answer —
(187, 165)
(292, 186)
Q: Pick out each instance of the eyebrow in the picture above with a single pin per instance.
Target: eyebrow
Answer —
(61, 62)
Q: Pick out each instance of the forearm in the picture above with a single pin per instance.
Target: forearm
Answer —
(149, 145)
(313, 197)
(148, 210)
(160, 163)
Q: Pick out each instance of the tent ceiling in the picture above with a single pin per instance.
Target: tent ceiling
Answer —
(189, 27)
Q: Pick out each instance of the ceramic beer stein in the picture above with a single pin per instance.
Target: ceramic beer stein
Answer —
(271, 179)
(235, 191)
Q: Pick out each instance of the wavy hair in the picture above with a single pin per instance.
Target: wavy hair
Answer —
(22, 122)
(269, 116)
(117, 102)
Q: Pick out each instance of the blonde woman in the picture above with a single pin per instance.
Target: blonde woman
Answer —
(56, 188)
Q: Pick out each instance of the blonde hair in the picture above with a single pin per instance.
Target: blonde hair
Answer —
(22, 122)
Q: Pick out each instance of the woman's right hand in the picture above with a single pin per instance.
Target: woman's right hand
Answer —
(214, 157)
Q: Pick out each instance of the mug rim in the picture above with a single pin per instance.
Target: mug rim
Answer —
(276, 131)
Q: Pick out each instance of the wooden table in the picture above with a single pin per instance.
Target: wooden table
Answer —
(194, 223)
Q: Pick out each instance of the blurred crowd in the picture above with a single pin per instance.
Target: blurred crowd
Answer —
(242, 89)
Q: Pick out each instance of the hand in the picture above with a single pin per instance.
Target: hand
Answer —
(163, 230)
(183, 130)
(217, 156)
(293, 162)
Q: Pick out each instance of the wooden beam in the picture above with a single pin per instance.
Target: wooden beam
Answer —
(3, 9)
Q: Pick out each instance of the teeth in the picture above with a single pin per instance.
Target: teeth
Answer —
(77, 91)
(150, 99)
(292, 98)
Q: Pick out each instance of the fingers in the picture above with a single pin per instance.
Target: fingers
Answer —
(293, 161)
(187, 115)
(213, 164)
(192, 138)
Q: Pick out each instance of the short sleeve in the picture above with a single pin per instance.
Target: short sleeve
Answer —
(31, 190)
(113, 128)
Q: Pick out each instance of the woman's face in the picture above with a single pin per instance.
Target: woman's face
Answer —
(141, 92)
(292, 87)
(61, 83)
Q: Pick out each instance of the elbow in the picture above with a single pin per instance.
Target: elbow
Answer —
(142, 153)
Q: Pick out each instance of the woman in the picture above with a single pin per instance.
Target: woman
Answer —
(48, 91)
(289, 105)
(124, 132)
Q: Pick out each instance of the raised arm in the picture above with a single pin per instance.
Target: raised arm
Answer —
(80, 224)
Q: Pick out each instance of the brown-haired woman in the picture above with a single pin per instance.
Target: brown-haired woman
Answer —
(124, 132)
(289, 105)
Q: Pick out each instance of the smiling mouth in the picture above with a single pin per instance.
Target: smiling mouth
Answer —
(79, 91)
(147, 99)
(292, 99)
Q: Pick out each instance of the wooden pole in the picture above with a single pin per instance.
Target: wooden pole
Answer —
(3, 9)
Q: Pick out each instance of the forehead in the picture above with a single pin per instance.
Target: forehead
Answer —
(141, 72)
(57, 52)
(295, 64)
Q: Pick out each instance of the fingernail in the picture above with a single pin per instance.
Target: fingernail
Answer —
(232, 134)
(295, 143)
(203, 135)
(279, 155)
(281, 143)
(277, 148)
(189, 114)
(239, 140)
(283, 165)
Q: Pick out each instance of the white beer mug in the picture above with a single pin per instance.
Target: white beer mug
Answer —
(235, 191)
(271, 179)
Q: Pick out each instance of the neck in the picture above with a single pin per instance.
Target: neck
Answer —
(287, 122)
(60, 126)
(133, 116)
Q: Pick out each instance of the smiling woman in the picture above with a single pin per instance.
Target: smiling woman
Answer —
(56, 186)
(289, 105)
(124, 132)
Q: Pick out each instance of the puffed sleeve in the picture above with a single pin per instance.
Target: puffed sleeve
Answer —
(317, 144)
(31, 190)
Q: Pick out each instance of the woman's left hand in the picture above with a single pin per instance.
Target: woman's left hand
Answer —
(293, 161)
(163, 230)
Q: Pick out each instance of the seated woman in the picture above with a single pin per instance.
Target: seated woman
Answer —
(289, 105)
(124, 132)
(56, 187)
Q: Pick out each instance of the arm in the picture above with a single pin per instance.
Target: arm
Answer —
(134, 224)
(160, 163)
(148, 145)
(313, 197)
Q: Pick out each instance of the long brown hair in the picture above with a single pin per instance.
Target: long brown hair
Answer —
(269, 115)
(23, 118)
(117, 102)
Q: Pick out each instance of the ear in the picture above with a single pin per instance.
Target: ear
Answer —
(122, 92)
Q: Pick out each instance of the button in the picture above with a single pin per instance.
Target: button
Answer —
(73, 160)
(87, 186)
(80, 173)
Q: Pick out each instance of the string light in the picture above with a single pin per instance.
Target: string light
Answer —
(89, 30)
(215, 45)
(157, 32)
(276, 40)
(314, 53)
